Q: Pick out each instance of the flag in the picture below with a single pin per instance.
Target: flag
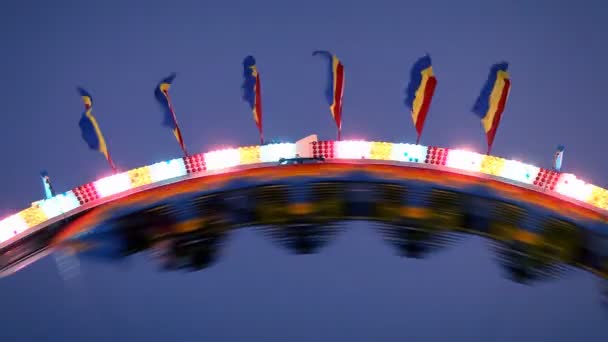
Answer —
(492, 100)
(420, 92)
(169, 119)
(558, 158)
(46, 183)
(335, 87)
(252, 91)
(89, 127)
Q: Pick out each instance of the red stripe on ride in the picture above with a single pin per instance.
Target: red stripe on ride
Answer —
(429, 90)
(499, 110)
(338, 91)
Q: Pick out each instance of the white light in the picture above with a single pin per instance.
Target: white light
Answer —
(569, 185)
(274, 152)
(59, 204)
(68, 201)
(352, 149)
(519, 171)
(222, 159)
(409, 153)
(12, 226)
(464, 160)
(167, 170)
(51, 207)
(112, 185)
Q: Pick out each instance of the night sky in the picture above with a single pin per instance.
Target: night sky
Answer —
(356, 289)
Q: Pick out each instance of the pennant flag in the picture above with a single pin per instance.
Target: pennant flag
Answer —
(335, 87)
(492, 100)
(169, 119)
(420, 92)
(91, 133)
(252, 91)
(558, 158)
(46, 183)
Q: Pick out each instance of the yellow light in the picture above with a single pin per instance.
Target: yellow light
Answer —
(381, 150)
(189, 225)
(599, 197)
(525, 236)
(492, 165)
(140, 177)
(249, 154)
(415, 212)
(33, 215)
(300, 208)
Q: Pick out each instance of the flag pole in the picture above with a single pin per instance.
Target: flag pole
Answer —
(179, 131)
(112, 165)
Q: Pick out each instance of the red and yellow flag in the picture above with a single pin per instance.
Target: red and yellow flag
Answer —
(335, 87)
(492, 101)
(420, 92)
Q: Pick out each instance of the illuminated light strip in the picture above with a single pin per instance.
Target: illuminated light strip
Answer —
(353, 149)
(325, 149)
(249, 155)
(86, 193)
(33, 215)
(195, 163)
(222, 159)
(569, 185)
(59, 204)
(546, 179)
(12, 226)
(52, 207)
(519, 171)
(599, 197)
(167, 170)
(565, 184)
(112, 185)
(409, 153)
(274, 152)
(436, 155)
(492, 165)
(464, 160)
(140, 176)
(381, 150)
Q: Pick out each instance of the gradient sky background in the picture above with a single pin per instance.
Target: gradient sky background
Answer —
(356, 289)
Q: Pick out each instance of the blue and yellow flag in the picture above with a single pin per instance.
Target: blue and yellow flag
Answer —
(46, 183)
(161, 94)
(335, 87)
(91, 133)
(558, 158)
(420, 92)
(492, 101)
(252, 92)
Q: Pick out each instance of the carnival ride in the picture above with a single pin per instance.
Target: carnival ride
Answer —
(421, 198)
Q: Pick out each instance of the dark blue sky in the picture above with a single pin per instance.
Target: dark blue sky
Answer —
(356, 289)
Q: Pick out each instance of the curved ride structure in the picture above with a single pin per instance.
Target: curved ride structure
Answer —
(421, 198)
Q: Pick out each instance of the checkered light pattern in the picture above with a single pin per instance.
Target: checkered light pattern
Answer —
(514, 171)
